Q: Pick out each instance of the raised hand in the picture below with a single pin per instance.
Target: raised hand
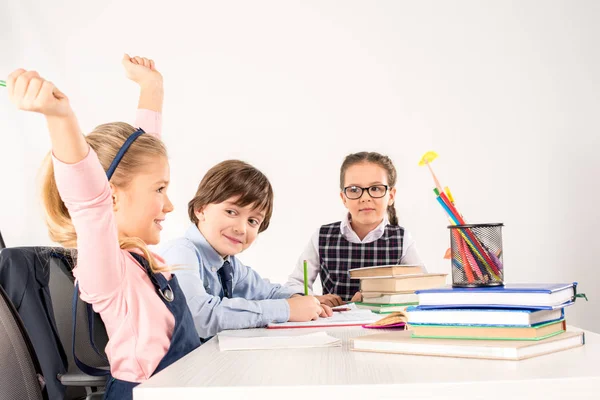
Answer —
(30, 92)
(141, 70)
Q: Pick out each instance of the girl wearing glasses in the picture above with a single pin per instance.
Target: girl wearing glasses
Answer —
(369, 234)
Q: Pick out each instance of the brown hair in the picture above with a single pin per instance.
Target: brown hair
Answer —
(375, 158)
(105, 140)
(234, 178)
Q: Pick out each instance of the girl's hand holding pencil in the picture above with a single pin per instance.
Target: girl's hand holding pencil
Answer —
(30, 92)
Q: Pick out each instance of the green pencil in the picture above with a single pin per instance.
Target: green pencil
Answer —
(305, 278)
(2, 83)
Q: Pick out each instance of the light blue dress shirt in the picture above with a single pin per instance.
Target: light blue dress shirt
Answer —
(255, 301)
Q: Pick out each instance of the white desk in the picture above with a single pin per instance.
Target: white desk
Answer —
(338, 373)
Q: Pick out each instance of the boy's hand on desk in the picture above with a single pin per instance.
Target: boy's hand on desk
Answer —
(327, 311)
(305, 308)
(331, 300)
(141, 70)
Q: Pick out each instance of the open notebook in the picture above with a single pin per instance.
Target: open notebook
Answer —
(353, 317)
(228, 341)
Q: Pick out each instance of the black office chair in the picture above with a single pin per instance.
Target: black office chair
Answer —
(41, 282)
(61, 287)
(21, 376)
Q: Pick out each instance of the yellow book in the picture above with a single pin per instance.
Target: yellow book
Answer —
(385, 271)
(403, 283)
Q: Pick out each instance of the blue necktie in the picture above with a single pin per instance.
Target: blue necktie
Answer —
(226, 275)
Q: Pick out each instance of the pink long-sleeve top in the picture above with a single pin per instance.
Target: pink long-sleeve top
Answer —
(138, 324)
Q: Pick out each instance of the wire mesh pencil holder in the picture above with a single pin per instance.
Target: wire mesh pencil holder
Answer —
(477, 255)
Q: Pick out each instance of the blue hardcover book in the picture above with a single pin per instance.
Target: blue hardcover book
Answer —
(420, 315)
(520, 295)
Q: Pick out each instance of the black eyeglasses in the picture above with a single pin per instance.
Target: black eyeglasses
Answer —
(375, 191)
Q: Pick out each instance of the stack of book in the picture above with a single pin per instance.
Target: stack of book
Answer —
(508, 322)
(391, 288)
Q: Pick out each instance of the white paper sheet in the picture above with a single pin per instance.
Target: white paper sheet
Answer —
(318, 339)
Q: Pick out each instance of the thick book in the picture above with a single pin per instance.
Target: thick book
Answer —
(389, 298)
(527, 295)
(403, 283)
(482, 316)
(402, 343)
(387, 271)
(535, 332)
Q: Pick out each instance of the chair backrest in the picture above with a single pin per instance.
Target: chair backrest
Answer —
(39, 282)
(24, 277)
(61, 288)
(21, 376)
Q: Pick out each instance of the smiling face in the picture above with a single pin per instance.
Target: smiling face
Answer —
(228, 227)
(233, 204)
(367, 212)
(141, 207)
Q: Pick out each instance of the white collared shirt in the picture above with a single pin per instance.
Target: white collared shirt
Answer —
(351, 236)
(311, 252)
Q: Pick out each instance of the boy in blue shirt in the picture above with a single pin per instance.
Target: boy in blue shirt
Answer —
(233, 204)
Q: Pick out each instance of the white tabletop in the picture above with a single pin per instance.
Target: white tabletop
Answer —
(330, 373)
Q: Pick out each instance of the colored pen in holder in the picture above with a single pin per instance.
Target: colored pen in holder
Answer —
(476, 255)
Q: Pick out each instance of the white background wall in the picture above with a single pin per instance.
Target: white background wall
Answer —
(506, 92)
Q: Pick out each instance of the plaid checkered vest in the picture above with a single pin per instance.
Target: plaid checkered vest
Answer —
(337, 256)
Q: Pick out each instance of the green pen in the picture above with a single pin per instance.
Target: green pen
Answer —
(305, 278)
(2, 83)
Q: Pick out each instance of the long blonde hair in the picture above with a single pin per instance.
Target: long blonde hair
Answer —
(105, 140)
